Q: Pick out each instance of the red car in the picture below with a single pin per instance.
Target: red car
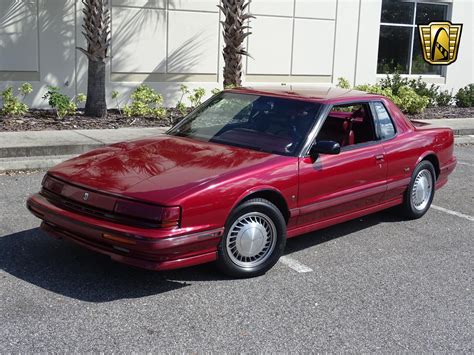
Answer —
(242, 173)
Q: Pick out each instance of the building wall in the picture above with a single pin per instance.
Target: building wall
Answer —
(168, 42)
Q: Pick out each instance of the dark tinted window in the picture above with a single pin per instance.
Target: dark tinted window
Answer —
(394, 49)
(386, 128)
(399, 42)
(426, 13)
(263, 123)
(396, 11)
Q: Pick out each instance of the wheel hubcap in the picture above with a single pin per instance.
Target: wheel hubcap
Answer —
(251, 239)
(422, 189)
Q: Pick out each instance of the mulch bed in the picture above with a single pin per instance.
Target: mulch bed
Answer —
(443, 112)
(39, 120)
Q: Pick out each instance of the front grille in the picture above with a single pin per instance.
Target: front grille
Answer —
(76, 207)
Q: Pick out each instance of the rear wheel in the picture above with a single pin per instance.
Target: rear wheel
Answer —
(254, 239)
(420, 192)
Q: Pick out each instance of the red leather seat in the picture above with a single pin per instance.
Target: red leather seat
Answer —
(348, 132)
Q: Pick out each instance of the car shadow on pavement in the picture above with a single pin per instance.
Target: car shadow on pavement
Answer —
(72, 271)
(341, 230)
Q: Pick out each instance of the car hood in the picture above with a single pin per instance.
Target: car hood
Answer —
(156, 169)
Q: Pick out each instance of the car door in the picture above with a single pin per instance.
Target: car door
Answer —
(399, 152)
(353, 180)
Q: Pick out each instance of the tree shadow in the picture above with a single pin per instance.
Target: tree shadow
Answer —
(26, 29)
(166, 66)
(18, 25)
(72, 271)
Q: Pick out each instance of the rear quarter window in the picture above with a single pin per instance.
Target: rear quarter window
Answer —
(385, 124)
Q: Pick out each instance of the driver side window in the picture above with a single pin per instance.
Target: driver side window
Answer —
(348, 125)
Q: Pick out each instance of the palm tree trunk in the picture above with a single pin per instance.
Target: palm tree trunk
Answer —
(235, 30)
(97, 34)
(96, 105)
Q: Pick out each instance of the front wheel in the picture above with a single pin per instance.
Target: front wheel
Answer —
(254, 239)
(420, 192)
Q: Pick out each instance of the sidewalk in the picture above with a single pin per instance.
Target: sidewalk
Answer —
(460, 126)
(43, 149)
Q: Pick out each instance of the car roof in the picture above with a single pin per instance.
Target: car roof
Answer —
(326, 94)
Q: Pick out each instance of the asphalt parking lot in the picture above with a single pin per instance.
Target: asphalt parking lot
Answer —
(373, 284)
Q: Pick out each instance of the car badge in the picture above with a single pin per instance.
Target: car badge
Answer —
(86, 196)
(440, 42)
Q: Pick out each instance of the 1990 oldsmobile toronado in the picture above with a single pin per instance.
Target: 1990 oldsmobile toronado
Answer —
(242, 173)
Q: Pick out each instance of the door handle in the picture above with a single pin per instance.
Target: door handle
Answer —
(379, 157)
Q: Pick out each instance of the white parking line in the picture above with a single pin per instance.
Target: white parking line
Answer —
(464, 163)
(454, 213)
(295, 265)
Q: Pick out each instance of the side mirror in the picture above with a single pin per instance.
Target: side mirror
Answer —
(324, 147)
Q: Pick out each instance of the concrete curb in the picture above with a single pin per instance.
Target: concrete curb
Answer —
(32, 163)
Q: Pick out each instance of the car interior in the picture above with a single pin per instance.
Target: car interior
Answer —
(276, 124)
(348, 125)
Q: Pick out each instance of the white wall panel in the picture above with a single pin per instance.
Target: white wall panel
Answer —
(270, 46)
(272, 7)
(161, 4)
(461, 72)
(57, 43)
(192, 42)
(316, 8)
(81, 59)
(346, 40)
(18, 35)
(138, 40)
(368, 41)
(200, 5)
(146, 46)
(313, 47)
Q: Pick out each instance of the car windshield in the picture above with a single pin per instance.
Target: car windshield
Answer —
(263, 123)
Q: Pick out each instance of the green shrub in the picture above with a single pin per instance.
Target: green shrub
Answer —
(409, 101)
(395, 82)
(63, 104)
(397, 90)
(422, 89)
(215, 91)
(343, 83)
(25, 89)
(13, 105)
(81, 98)
(465, 96)
(376, 89)
(231, 86)
(196, 97)
(181, 106)
(145, 102)
(116, 97)
(444, 98)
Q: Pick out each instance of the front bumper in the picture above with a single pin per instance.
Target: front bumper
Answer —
(155, 249)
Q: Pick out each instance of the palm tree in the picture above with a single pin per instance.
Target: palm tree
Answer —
(97, 33)
(235, 31)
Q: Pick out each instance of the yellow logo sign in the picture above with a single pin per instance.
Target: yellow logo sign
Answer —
(440, 42)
